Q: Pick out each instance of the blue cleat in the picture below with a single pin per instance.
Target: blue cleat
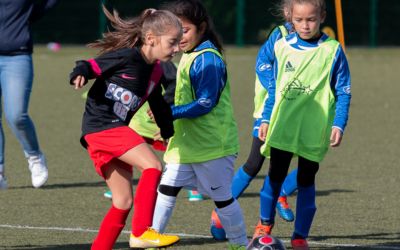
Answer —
(216, 229)
(108, 194)
(284, 210)
(193, 195)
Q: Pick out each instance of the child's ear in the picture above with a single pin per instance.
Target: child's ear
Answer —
(149, 38)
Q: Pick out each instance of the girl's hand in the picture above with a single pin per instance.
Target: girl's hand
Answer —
(79, 81)
(262, 131)
(336, 137)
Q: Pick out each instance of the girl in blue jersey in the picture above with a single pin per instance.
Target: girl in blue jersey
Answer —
(255, 160)
(305, 113)
(203, 149)
(127, 74)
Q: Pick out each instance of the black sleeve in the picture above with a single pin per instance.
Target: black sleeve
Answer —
(105, 64)
(82, 68)
(162, 113)
(102, 65)
(169, 81)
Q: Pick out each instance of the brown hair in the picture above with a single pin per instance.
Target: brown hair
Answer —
(129, 33)
(195, 12)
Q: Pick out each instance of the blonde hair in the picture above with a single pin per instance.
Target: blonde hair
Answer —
(286, 7)
(130, 32)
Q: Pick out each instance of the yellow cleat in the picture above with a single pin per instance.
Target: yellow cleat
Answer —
(151, 238)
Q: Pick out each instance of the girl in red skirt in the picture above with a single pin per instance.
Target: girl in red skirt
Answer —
(127, 74)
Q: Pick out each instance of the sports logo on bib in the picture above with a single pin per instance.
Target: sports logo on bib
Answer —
(294, 89)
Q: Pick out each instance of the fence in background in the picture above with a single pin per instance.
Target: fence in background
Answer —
(366, 22)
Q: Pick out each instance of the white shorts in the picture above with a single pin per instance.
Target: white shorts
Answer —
(212, 178)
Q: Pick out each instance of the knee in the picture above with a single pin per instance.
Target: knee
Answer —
(19, 121)
(122, 202)
(222, 204)
(169, 190)
(156, 164)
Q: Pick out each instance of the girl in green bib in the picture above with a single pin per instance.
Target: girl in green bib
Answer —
(305, 113)
(202, 152)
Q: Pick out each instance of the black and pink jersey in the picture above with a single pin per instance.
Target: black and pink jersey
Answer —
(124, 81)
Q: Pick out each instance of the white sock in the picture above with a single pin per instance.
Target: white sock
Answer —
(163, 211)
(232, 220)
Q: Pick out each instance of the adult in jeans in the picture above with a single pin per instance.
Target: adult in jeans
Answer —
(16, 77)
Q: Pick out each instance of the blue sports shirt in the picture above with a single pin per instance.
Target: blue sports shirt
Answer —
(208, 78)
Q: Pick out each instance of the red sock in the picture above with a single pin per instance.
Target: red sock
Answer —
(145, 201)
(110, 228)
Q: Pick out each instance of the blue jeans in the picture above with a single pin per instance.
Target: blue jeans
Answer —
(16, 77)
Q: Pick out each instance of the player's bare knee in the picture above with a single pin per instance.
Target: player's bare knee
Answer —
(123, 202)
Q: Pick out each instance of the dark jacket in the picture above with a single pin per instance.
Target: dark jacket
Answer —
(16, 17)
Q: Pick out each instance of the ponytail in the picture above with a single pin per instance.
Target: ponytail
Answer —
(129, 33)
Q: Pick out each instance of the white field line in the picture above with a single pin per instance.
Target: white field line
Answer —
(78, 229)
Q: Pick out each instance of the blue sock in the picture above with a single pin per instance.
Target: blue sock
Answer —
(240, 182)
(268, 198)
(290, 184)
(305, 210)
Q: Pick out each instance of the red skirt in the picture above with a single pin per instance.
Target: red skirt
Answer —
(109, 144)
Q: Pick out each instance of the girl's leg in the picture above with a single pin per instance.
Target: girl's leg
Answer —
(279, 165)
(119, 182)
(165, 205)
(288, 187)
(142, 235)
(249, 170)
(174, 178)
(305, 206)
(290, 183)
(215, 180)
(147, 162)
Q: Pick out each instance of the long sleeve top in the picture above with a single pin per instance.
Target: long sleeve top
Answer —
(16, 17)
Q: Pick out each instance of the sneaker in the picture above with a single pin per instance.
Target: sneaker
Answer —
(262, 230)
(152, 238)
(108, 194)
(232, 246)
(299, 244)
(193, 195)
(3, 182)
(284, 210)
(216, 228)
(38, 168)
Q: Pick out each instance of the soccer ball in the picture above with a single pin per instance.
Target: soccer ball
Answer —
(266, 242)
(216, 229)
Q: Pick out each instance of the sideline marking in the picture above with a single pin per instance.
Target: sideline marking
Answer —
(78, 229)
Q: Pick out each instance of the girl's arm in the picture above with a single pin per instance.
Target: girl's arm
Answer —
(208, 77)
(265, 59)
(341, 87)
(96, 67)
(162, 113)
(265, 70)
